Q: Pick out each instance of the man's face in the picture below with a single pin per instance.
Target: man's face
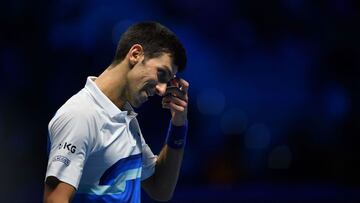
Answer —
(149, 77)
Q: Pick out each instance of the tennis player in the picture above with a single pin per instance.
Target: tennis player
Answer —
(97, 152)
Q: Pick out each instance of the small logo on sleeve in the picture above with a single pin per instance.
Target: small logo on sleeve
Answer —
(68, 146)
(62, 159)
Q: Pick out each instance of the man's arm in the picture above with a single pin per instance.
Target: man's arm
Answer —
(56, 191)
(161, 184)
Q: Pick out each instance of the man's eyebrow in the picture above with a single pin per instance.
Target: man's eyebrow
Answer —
(167, 69)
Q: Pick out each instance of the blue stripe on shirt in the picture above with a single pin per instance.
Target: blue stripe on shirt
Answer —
(130, 195)
(131, 162)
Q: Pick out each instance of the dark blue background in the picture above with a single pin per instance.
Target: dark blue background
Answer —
(274, 92)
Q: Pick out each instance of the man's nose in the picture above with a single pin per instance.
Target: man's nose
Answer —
(161, 89)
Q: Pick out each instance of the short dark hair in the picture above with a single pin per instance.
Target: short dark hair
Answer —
(155, 39)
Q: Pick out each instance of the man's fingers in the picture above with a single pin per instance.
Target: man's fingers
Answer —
(184, 84)
(166, 105)
(176, 107)
(178, 93)
(172, 106)
(175, 90)
(175, 100)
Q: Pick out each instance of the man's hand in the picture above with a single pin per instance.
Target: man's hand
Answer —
(176, 100)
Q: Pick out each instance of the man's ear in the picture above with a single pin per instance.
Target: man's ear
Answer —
(135, 54)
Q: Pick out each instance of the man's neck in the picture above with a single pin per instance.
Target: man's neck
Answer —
(112, 83)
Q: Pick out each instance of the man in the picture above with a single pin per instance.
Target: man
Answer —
(97, 151)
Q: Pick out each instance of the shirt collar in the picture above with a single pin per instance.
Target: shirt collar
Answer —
(105, 102)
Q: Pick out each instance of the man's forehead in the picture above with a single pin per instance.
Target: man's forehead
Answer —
(166, 62)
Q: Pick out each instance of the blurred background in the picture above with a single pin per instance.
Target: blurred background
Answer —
(274, 92)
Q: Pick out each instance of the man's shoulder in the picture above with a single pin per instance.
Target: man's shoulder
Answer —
(79, 107)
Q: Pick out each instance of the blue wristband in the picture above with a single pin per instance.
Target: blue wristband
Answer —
(176, 136)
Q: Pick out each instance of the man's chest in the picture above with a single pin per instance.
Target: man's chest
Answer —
(117, 150)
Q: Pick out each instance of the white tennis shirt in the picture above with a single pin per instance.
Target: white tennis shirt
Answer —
(98, 149)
